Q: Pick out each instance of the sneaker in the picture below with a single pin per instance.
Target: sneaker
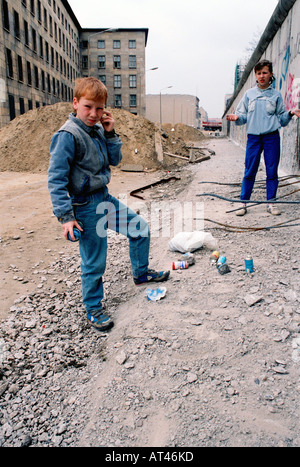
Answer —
(100, 320)
(242, 211)
(152, 276)
(272, 209)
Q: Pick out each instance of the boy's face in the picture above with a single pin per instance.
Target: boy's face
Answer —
(263, 77)
(89, 111)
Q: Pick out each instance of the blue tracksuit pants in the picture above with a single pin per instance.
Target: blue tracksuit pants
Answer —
(256, 144)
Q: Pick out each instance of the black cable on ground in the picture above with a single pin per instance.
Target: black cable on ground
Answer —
(248, 201)
(239, 229)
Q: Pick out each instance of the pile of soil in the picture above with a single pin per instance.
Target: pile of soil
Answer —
(25, 141)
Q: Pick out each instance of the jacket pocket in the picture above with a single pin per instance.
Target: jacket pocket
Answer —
(270, 107)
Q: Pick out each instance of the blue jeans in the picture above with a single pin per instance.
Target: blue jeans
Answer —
(270, 144)
(98, 212)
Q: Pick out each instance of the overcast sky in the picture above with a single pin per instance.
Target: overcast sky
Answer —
(194, 43)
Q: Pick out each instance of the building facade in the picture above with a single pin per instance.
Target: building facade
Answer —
(44, 49)
(173, 108)
(117, 58)
(39, 57)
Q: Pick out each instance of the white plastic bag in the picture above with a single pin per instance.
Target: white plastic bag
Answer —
(191, 241)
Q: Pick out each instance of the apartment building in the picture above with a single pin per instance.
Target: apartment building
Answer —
(117, 58)
(44, 49)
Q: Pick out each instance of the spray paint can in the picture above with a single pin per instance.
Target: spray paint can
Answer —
(76, 232)
(214, 258)
(180, 265)
(249, 267)
(221, 260)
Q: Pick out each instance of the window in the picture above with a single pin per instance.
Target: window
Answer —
(5, 15)
(9, 63)
(132, 44)
(16, 25)
(29, 104)
(34, 42)
(117, 81)
(39, 11)
(132, 61)
(102, 78)
(132, 102)
(101, 61)
(47, 51)
(36, 77)
(45, 19)
(132, 81)
(20, 69)
(117, 61)
(101, 44)
(85, 62)
(117, 44)
(26, 33)
(41, 47)
(22, 105)
(118, 100)
(29, 77)
(32, 7)
(43, 80)
(12, 110)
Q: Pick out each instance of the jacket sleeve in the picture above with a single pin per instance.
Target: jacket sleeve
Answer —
(283, 116)
(114, 145)
(62, 151)
(242, 111)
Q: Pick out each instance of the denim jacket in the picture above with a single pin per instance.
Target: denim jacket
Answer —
(263, 110)
(80, 164)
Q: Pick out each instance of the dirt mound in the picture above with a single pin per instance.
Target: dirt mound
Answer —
(25, 141)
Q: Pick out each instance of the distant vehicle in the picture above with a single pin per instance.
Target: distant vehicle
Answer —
(212, 125)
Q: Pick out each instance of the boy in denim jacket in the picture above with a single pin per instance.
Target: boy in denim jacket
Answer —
(263, 109)
(81, 154)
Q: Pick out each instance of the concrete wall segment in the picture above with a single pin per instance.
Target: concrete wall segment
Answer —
(280, 43)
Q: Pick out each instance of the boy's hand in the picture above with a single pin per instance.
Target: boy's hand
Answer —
(68, 228)
(107, 121)
(296, 112)
(232, 117)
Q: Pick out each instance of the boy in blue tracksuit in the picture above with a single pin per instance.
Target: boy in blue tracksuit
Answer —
(81, 154)
(263, 110)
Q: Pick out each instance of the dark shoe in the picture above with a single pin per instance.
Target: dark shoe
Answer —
(100, 320)
(152, 276)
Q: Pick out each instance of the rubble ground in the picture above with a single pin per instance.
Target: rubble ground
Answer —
(214, 363)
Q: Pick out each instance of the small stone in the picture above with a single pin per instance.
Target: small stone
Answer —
(121, 357)
(191, 377)
(251, 299)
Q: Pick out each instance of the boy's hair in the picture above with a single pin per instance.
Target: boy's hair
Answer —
(91, 88)
(260, 65)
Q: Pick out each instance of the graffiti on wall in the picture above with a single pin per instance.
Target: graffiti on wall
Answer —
(292, 84)
(285, 66)
(292, 94)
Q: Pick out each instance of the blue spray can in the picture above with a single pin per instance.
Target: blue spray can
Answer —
(249, 267)
(76, 232)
